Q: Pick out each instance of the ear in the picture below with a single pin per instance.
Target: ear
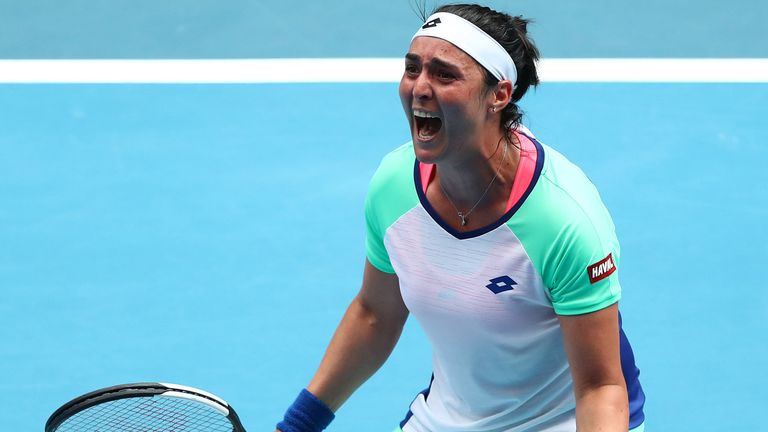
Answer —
(502, 95)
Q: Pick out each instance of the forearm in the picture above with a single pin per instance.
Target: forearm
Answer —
(361, 344)
(602, 409)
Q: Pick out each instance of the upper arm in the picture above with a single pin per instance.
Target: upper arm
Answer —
(592, 345)
(380, 294)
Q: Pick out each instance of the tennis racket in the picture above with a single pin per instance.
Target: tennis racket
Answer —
(145, 407)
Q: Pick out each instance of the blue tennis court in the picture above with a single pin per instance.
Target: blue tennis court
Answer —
(213, 235)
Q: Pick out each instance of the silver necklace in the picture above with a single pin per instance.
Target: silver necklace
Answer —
(463, 216)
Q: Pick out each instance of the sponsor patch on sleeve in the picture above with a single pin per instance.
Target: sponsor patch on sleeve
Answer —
(601, 269)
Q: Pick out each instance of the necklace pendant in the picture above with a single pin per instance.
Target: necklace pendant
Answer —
(463, 219)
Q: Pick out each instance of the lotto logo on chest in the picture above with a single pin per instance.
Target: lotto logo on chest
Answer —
(601, 269)
(501, 284)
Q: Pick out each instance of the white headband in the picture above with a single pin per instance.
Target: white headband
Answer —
(473, 41)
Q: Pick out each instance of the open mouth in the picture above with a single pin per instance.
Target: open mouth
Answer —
(427, 124)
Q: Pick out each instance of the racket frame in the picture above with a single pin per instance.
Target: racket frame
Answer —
(145, 389)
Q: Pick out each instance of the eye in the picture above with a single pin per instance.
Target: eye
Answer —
(444, 75)
(411, 69)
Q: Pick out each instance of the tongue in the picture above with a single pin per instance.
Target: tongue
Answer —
(429, 126)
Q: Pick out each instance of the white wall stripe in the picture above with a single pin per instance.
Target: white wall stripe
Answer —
(366, 70)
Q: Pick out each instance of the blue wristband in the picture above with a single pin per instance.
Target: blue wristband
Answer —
(307, 414)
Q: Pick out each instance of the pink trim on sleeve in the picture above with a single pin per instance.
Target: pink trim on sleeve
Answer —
(525, 169)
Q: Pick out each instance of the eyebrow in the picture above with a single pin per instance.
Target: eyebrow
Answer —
(434, 62)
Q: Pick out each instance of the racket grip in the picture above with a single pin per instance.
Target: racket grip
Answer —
(306, 414)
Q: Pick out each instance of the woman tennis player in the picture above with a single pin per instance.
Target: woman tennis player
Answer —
(500, 248)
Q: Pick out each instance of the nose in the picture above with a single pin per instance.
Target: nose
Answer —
(422, 88)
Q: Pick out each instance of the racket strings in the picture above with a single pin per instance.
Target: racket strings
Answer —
(148, 414)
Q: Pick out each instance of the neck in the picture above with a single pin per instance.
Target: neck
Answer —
(490, 171)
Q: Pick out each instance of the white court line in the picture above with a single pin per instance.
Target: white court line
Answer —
(366, 70)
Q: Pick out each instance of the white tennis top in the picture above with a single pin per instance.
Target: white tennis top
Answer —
(488, 299)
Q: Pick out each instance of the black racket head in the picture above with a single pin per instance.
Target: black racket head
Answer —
(145, 407)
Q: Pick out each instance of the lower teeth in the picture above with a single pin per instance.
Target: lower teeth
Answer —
(429, 127)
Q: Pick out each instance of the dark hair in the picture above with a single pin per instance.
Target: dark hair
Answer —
(512, 33)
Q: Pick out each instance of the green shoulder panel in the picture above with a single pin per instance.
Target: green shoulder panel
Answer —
(565, 229)
(391, 194)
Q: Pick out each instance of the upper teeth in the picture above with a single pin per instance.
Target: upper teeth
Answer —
(420, 113)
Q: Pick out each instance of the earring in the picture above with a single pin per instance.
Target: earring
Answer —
(493, 109)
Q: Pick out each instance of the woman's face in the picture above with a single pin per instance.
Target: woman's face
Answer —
(445, 99)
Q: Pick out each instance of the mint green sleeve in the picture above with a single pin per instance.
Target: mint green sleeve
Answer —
(390, 194)
(374, 240)
(565, 228)
(580, 245)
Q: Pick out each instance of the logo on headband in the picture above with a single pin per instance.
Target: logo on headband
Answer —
(432, 23)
